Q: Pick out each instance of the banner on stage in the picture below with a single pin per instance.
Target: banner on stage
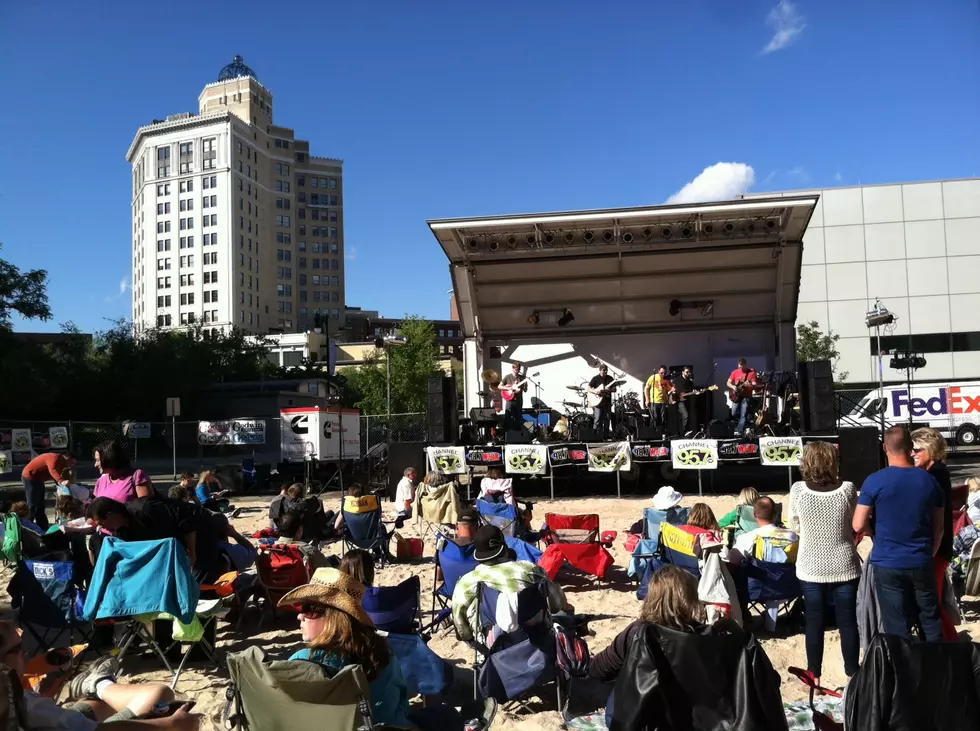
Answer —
(611, 457)
(735, 450)
(568, 455)
(447, 460)
(694, 454)
(485, 456)
(643, 452)
(781, 451)
(231, 431)
(526, 459)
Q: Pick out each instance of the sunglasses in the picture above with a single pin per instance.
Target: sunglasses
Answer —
(918, 450)
(311, 611)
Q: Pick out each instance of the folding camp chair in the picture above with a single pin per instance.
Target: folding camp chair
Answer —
(972, 571)
(452, 561)
(677, 548)
(422, 669)
(771, 588)
(576, 539)
(746, 521)
(822, 721)
(437, 507)
(395, 608)
(363, 526)
(648, 546)
(517, 662)
(506, 517)
(49, 601)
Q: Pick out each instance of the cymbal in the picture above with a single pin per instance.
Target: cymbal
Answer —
(490, 376)
(616, 384)
(578, 388)
(574, 404)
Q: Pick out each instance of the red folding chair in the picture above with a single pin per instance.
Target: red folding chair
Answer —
(821, 721)
(576, 539)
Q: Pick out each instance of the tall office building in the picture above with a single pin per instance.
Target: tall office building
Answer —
(235, 223)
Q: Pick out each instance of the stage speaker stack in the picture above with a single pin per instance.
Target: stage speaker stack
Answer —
(441, 419)
(401, 456)
(860, 453)
(817, 396)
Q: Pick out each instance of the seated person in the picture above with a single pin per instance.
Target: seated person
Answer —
(973, 499)
(188, 481)
(764, 510)
(72, 515)
(277, 508)
(700, 520)
(338, 632)
(499, 569)
(238, 552)
(317, 525)
(100, 701)
(205, 497)
(466, 524)
(291, 534)
(359, 565)
(405, 493)
(180, 493)
(21, 510)
(495, 488)
(150, 519)
(747, 496)
(354, 491)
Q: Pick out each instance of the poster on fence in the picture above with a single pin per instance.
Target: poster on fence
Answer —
(309, 432)
(20, 440)
(646, 452)
(447, 460)
(6, 461)
(611, 457)
(231, 431)
(526, 459)
(567, 455)
(59, 437)
(781, 451)
(694, 454)
(489, 456)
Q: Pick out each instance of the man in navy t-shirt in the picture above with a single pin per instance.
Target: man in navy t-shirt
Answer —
(908, 527)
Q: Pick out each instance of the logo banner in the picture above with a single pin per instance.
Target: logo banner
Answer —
(231, 431)
(733, 450)
(644, 452)
(694, 454)
(485, 456)
(448, 460)
(59, 437)
(781, 451)
(526, 459)
(567, 455)
(611, 457)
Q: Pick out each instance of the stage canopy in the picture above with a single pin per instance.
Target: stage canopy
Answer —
(652, 269)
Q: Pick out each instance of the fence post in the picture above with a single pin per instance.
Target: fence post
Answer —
(367, 448)
(71, 439)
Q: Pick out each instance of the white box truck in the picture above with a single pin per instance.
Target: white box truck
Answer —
(953, 409)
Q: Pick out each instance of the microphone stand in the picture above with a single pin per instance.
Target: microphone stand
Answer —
(537, 404)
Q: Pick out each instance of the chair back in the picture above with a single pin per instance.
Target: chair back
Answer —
(770, 582)
(395, 608)
(455, 561)
(362, 518)
(46, 593)
(285, 695)
(652, 518)
(677, 548)
(958, 496)
(573, 528)
(501, 515)
(778, 547)
(745, 521)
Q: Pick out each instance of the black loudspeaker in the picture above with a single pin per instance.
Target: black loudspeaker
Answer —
(860, 453)
(817, 396)
(721, 430)
(518, 436)
(649, 433)
(440, 413)
(401, 456)
(588, 434)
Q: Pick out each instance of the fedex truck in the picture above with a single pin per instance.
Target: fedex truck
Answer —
(953, 409)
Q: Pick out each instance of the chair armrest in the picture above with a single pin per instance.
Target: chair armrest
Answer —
(608, 537)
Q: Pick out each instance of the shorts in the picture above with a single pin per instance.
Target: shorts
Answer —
(86, 710)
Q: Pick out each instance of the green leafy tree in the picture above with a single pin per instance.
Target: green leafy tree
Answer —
(22, 292)
(813, 344)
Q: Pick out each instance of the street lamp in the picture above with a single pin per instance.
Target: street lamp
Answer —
(387, 342)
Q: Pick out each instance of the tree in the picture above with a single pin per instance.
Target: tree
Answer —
(22, 292)
(411, 365)
(814, 344)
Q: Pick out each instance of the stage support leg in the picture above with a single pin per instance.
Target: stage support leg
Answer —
(700, 488)
(789, 478)
(469, 483)
(618, 492)
(551, 479)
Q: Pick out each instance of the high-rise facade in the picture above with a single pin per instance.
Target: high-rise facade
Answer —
(235, 223)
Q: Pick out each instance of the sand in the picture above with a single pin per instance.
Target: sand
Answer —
(613, 601)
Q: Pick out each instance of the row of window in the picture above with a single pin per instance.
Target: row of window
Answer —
(210, 277)
(958, 342)
(318, 248)
(284, 221)
(241, 299)
(187, 318)
(241, 262)
(186, 157)
(320, 296)
(283, 238)
(187, 186)
(186, 280)
(322, 231)
(321, 199)
(282, 186)
(321, 263)
(163, 265)
(282, 168)
(330, 216)
(283, 203)
(284, 273)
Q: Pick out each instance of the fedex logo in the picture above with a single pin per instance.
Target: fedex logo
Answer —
(949, 401)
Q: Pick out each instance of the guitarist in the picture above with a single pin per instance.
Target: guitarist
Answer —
(514, 409)
(599, 387)
(742, 385)
(683, 385)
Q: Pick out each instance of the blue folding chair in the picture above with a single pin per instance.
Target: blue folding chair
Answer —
(677, 548)
(771, 588)
(49, 600)
(652, 518)
(506, 517)
(395, 608)
(524, 550)
(454, 561)
(424, 671)
(363, 527)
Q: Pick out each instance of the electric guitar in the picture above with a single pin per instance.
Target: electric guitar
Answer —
(509, 393)
(678, 397)
(743, 389)
(595, 399)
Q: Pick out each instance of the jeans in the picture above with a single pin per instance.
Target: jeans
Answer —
(514, 414)
(34, 494)
(658, 414)
(600, 420)
(939, 566)
(905, 595)
(740, 410)
(815, 598)
(683, 417)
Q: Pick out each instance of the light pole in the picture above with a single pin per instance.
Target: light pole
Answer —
(875, 319)
(387, 342)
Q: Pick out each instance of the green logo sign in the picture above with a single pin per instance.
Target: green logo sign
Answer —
(695, 457)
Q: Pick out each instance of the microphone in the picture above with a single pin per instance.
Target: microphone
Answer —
(535, 375)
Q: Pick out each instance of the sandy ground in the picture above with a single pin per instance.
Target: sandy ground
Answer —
(612, 602)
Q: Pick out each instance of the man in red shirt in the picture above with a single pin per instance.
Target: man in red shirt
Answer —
(48, 466)
(741, 384)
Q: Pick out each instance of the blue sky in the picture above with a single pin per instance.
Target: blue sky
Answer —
(449, 109)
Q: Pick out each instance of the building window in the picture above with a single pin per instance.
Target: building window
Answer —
(186, 280)
(316, 263)
(187, 261)
(210, 154)
(300, 157)
(163, 227)
(163, 282)
(187, 298)
(334, 264)
(163, 162)
(284, 255)
(284, 290)
(285, 273)
(186, 156)
(282, 186)
(334, 281)
(163, 244)
(164, 189)
(282, 168)
(186, 186)
(316, 282)
(282, 203)
(301, 197)
(333, 248)
(163, 264)
(163, 208)
(210, 182)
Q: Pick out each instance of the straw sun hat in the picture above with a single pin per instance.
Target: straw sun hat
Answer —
(331, 588)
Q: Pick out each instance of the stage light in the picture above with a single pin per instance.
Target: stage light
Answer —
(907, 361)
(473, 244)
(675, 307)
(708, 229)
(512, 242)
(530, 239)
(771, 224)
(588, 236)
(666, 232)
(648, 233)
(566, 318)
(686, 232)
(493, 245)
(607, 236)
(569, 237)
(627, 238)
(879, 316)
(534, 318)
(729, 228)
(549, 239)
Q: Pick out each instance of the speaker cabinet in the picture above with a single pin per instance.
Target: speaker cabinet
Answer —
(860, 453)
(441, 419)
(817, 396)
(401, 456)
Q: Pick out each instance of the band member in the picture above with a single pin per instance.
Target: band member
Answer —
(741, 384)
(600, 413)
(655, 396)
(683, 385)
(514, 409)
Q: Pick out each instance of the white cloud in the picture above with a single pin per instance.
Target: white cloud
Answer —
(799, 174)
(351, 254)
(838, 177)
(719, 182)
(786, 23)
(123, 286)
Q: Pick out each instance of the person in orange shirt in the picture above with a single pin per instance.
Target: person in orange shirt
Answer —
(53, 466)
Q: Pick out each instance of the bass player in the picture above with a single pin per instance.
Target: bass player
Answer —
(599, 386)
(742, 386)
(512, 388)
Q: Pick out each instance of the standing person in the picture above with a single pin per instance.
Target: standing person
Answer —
(821, 508)
(929, 453)
(119, 480)
(48, 466)
(683, 385)
(598, 386)
(741, 383)
(514, 409)
(405, 492)
(655, 397)
(908, 528)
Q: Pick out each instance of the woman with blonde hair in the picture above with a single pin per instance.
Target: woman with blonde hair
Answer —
(821, 507)
(929, 453)
(702, 519)
(205, 497)
(747, 496)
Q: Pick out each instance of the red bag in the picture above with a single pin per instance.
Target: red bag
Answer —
(632, 539)
(282, 567)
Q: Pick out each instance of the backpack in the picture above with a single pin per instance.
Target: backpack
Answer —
(11, 538)
(13, 713)
(572, 653)
(282, 567)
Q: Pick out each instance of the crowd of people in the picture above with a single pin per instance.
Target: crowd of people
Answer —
(906, 508)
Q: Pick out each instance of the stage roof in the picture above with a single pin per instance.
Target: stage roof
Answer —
(729, 264)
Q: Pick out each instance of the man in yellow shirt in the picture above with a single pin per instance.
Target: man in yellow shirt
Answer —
(655, 396)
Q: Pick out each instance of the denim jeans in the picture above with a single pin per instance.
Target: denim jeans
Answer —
(658, 414)
(683, 417)
(740, 410)
(34, 494)
(905, 595)
(514, 414)
(815, 598)
(600, 421)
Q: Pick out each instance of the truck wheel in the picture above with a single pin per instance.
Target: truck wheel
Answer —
(967, 436)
